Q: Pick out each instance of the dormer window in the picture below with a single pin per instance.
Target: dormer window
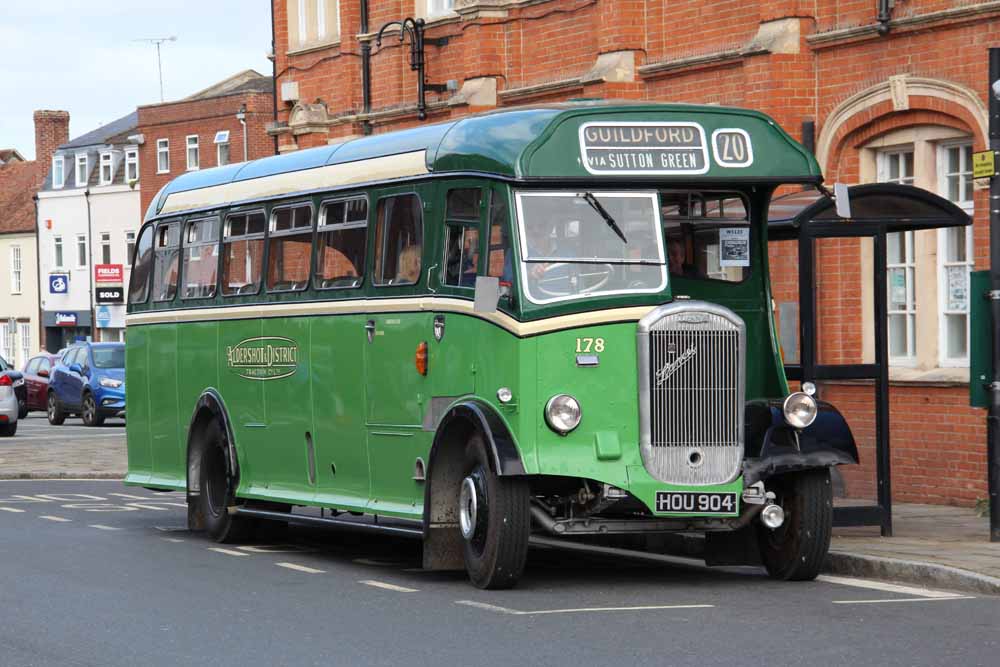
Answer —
(107, 168)
(81, 170)
(58, 171)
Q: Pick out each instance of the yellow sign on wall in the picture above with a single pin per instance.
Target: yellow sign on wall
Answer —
(984, 164)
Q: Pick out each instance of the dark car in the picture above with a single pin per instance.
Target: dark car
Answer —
(11, 377)
(36, 381)
(89, 380)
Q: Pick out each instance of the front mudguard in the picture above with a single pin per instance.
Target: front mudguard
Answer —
(774, 447)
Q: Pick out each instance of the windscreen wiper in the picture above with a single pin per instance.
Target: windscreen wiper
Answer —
(596, 205)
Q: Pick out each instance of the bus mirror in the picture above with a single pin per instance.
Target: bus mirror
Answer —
(842, 199)
(487, 294)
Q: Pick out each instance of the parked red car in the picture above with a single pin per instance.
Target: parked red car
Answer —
(36, 380)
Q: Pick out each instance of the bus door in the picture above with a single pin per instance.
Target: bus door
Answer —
(397, 335)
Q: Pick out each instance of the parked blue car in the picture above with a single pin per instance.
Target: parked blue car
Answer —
(89, 380)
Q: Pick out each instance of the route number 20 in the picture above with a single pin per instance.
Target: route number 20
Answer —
(732, 148)
(585, 345)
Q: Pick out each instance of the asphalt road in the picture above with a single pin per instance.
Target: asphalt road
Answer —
(96, 573)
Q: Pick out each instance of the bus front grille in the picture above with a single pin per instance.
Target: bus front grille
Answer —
(691, 399)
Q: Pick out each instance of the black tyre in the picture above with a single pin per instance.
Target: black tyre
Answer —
(217, 485)
(8, 430)
(55, 410)
(91, 417)
(797, 549)
(22, 409)
(495, 520)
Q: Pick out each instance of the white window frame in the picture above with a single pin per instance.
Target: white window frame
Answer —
(162, 151)
(131, 165)
(303, 23)
(107, 162)
(58, 167)
(15, 270)
(9, 344)
(57, 251)
(196, 147)
(965, 201)
(129, 247)
(82, 167)
(25, 329)
(81, 250)
(437, 8)
(222, 139)
(908, 266)
(105, 247)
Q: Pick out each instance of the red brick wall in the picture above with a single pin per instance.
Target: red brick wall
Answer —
(51, 131)
(176, 120)
(559, 40)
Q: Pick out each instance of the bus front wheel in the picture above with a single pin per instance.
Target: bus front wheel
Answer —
(796, 550)
(495, 521)
(216, 492)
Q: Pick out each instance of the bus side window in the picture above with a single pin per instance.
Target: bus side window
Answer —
(201, 247)
(168, 238)
(138, 287)
(462, 244)
(500, 260)
(289, 248)
(341, 242)
(243, 253)
(398, 240)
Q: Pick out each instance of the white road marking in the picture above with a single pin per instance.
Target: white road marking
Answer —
(935, 599)
(300, 568)
(516, 612)
(49, 517)
(275, 549)
(99, 526)
(69, 497)
(129, 495)
(10, 509)
(885, 586)
(171, 539)
(149, 507)
(388, 587)
(228, 552)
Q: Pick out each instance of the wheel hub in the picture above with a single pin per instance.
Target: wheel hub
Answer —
(468, 508)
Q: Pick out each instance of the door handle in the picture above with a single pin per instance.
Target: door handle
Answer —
(370, 329)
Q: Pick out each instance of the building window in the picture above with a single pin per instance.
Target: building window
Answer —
(129, 247)
(131, 166)
(222, 147)
(58, 251)
(25, 328)
(105, 247)
(192, 152)
(107, 170)
(15, 269)
(896, 166)
(58, 171)
(81, 170)
(955, 257)
(162, 156)
(439, 7)
(8, 341)
(313, 22)
(81, 250)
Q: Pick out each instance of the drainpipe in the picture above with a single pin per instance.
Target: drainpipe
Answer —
(90, 266)
(241, 116)
(274, 83)
(366, 69)
(38, 267)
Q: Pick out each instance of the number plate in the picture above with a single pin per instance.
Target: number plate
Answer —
(693, 502)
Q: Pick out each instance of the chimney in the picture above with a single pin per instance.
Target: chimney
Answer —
(51, 131)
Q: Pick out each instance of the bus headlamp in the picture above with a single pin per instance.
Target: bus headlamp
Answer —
(800, 409)
(562, 413)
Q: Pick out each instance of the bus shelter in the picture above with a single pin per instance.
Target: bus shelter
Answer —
(872, 211)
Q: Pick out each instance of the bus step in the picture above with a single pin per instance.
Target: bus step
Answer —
(361, 525)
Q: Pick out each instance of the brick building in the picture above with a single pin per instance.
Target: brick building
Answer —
(881, 96)
(20, 179)
(204, 130)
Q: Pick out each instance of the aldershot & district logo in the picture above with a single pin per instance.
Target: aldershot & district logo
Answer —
(263, 358)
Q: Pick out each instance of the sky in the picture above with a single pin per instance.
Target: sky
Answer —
(80, 56)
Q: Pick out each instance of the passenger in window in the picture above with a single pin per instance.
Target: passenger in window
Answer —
(408, 270)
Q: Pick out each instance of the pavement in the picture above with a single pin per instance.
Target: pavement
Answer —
(932, 545)
(96, 573)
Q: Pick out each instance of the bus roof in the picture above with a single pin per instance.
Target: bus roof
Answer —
(592, 141)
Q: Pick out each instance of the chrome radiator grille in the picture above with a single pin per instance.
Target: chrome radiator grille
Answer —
(691, 402)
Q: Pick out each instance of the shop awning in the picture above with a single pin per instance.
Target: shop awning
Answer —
(875, 208)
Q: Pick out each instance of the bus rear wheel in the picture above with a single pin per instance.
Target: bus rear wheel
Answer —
(494, 519)
(796, 550)
(216, 490)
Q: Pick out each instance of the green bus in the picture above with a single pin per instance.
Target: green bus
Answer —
(552, 320)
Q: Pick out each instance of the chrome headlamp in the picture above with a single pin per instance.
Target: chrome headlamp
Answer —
(110, 382)
(562, 413)
(800, 409)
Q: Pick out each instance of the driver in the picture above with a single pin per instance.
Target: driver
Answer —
(540, 244)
